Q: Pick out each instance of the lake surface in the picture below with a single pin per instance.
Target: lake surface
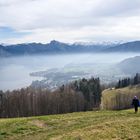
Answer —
(14, 71)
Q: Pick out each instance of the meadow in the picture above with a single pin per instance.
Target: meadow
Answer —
(91, 125)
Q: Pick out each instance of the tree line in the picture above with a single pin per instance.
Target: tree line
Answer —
(80, 95)
(128, 81)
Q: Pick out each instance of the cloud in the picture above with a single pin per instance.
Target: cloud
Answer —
(71, 19)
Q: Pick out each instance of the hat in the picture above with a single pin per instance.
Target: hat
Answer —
(135, 97)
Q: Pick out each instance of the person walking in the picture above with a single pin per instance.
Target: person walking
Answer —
(135, 103)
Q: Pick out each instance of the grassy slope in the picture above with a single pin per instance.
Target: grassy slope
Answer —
(127, 90)
(110, 99)
(74, 126)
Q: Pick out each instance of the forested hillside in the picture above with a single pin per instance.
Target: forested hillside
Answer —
(130, 65)
(81, 95)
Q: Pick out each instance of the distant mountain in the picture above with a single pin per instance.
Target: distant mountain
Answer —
(3, 51)
(52, 47)
(55, 47)
(104, 43)
(125, 47)
(130, 65)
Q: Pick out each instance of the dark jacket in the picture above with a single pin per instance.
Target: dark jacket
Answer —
(135, 102)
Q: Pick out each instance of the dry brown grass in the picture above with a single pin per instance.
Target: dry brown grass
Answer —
(119, 98)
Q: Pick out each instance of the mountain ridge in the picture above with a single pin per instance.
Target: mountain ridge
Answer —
(130, 65)
(55, 47)
(133, 46)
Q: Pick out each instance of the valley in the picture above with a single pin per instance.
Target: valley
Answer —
(54, 70)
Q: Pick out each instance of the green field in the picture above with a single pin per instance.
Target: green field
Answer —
(93, 125)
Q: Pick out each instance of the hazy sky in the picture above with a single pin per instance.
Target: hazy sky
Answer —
(69, 20)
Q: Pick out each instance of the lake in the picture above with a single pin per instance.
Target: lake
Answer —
(14, 71)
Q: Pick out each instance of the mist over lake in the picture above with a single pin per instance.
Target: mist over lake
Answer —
(15, 71)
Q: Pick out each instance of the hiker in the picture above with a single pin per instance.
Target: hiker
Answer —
(135, 103)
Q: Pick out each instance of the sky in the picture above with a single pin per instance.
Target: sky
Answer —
(25, 21)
